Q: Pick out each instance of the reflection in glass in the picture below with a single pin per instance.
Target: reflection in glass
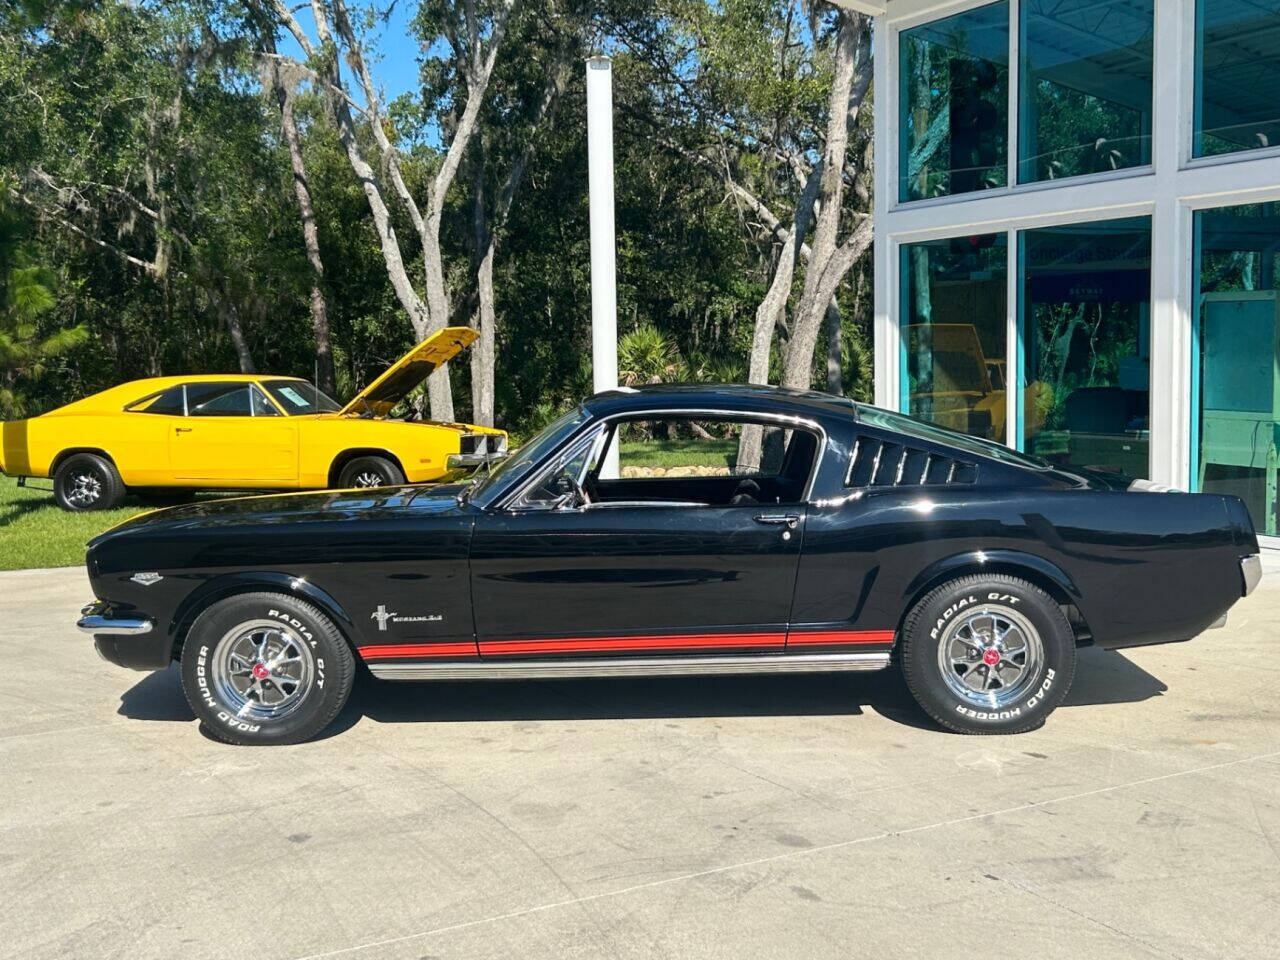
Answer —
(1085, 317)
(1237, 99)
(955, 106)
(1238, 376)
(1086, 87)
(954, 305)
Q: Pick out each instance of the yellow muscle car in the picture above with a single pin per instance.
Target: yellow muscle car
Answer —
(165, 437)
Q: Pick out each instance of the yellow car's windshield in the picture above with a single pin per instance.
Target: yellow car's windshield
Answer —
(298, 398)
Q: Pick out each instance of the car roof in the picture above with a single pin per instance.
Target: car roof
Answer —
(160, 383)
(114, 398)
(725, 397)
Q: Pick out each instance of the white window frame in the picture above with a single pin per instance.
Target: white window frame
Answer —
(1169, 191)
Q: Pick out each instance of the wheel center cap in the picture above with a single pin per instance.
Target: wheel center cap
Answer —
(991, 656)
(260, 671)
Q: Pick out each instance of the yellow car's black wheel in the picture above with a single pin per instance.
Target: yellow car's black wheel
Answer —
(87, 481)
(370, 472)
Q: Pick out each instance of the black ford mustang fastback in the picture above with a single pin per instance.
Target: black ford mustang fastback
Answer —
(864, 538)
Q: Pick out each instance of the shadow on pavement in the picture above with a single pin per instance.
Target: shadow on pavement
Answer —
(157, 696)
(1105, 676)
(1101, 677)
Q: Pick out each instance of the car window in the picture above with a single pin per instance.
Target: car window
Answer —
(683, 447)
(696, 461)
(921, 430)
(298, 397)
(219, 400)
(262, 407)
(165, 402)
(550, 437)
(566, 475)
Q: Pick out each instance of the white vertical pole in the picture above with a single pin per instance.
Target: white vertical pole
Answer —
(604, 281)
(887, 342)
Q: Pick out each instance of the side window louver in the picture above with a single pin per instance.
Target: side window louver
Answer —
(882, 463)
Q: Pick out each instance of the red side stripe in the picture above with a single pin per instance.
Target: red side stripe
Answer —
(603, 644)
(383, 651)
(839, 637)
(662, 642)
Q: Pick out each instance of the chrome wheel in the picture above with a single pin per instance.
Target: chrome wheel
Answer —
(84, 489)
(990, 656)
(368, 478)
(262, 670)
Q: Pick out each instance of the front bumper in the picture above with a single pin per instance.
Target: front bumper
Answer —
(478, 449)
(130, 641)
(464, 461)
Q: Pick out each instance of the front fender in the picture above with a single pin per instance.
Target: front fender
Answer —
(231, 584)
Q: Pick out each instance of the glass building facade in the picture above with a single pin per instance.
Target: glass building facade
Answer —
(1078, 232)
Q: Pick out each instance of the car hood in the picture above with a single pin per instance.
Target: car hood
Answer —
(292, 508)
(400, 379)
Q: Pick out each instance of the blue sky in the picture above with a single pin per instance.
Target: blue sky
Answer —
(394, 64)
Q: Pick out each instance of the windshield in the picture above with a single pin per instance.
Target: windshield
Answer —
(297, 397)
(526, 456)
(878, 417)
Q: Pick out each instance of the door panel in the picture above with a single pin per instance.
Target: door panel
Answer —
(634, 579)
(238, 449)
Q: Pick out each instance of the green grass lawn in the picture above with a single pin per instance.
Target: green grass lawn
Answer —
(679, 453)
(35, 533)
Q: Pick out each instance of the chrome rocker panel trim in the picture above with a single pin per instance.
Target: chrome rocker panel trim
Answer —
(629, 667)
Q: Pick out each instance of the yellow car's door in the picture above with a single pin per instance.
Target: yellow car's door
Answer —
(233, 434)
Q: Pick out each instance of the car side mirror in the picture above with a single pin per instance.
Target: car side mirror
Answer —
(569, 493)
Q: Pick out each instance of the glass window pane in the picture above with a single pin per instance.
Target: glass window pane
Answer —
(1237, 100)
(1238, 378)
(262, 406)
(1086, 87)
(218, 400)
(167, 402)
(299, 397)
(954, 305)
(1085, 315)
(955, 104)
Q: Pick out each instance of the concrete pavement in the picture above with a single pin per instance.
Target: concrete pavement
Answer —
(686, 818)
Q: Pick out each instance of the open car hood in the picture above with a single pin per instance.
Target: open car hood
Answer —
(399, 379)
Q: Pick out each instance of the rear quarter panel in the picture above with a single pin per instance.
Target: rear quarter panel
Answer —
(1141, 567)
(137, 447)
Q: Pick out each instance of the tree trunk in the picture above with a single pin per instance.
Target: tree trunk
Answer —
(830, 260)
(770, 310)
(439, 390)
(231, 318)
(484, 353)
(484, 350)
(326, 376)
(835, 335)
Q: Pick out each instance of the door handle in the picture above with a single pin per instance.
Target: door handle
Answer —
(181, 429)
(789, 519)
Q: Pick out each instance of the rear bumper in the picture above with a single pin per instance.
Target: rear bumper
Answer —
(1250, 575)
(1251, 572)
(126, 641)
